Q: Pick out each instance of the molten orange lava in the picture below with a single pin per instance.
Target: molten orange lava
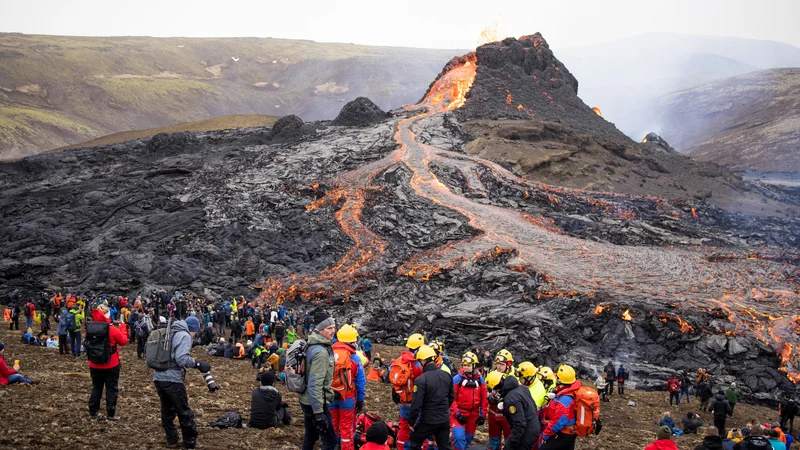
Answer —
(694, 213)
(597, 111)
(450, 90)
(627, 315)
(600, 308)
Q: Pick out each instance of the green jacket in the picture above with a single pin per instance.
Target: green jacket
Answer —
(732, 395)
(291, 336)
(79, 317)
(319, 368)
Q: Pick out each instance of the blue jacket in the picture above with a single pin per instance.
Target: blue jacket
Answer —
(367, 345)
(667, 422)
(62, 326)
(361, 379)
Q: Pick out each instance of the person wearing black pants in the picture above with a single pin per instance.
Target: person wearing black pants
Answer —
(430, 405)
(108, 378)
(14, 324)
(721, 409)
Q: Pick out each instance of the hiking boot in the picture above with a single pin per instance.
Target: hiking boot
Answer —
(96, 416)
(196, 445)
(178, 444)
(113, 418)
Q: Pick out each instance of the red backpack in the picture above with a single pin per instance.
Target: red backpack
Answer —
(364, 421)
(586, 404)
(344, 383)
(400, 375)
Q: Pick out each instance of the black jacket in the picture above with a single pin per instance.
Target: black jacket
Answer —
(207, 336)
(789, 408)
(721, 407)
(690, 425)
(611, 373)
(704, 391)
(433, 395)
(264, 404)
(710, 443)
(753, 443)
(520, 412)
(228, 353)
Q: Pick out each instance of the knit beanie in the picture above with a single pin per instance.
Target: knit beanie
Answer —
(193, 324)
(664, 433)
(322, 320)
(378, 433)
(267, 378)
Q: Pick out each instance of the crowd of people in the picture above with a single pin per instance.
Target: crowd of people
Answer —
(523, 406)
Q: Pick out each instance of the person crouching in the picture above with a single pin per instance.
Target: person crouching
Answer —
(267, 408)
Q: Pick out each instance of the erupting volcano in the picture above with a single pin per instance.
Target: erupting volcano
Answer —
(734, 298)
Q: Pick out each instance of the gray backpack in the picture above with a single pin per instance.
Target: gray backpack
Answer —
(158, 350)
(295, 369)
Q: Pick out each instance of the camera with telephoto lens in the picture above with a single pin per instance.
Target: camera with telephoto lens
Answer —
(212, 385)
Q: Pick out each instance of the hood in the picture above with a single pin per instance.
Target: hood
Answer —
(719, 397)
(564, 390)
(318, 339)
(509, 384)
(407, 357)
(180, 325)
(269, 393)
(346, 347)
(98, 316)
(665, 444)
(758, 442)
(712, 442)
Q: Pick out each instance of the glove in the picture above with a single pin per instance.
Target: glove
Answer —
(395, 397)
(203, 366)
(461, 419)
(598, 427)
(500, 406)
(481, 420)
(321, 423)
(359, 407)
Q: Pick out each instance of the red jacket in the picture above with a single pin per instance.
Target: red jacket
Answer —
(374, 446)
(116, 337)
(673, 385)
(560, 413)
(662, 444)
(416, 369)
(469, 400)
(5, 371)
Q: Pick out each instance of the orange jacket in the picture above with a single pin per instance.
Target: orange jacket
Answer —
(374, 374)
(249, 328)
(239, 351)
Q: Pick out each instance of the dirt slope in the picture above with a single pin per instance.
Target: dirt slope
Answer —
(55, 411)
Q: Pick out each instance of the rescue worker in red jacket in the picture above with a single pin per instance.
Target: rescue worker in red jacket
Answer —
(107, 374)
(469, 409)
(499, 428)
(559, 415)
(402, 389)
(349, 384)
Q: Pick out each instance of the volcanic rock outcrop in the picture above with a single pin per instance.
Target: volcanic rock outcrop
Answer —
(360, 112)
(394, 225)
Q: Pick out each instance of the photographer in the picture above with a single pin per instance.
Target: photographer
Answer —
(170, 387)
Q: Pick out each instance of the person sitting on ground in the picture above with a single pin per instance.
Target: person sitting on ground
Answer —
(29, 338)
(667, 421)
(663, 440)
(10, 376)
(228, 350)
(734, 437)
(711, 441)
(774, 439)
(239, 352)
(267, 408)
(377, 435)
(691, 423)
(52, 342)
(375, 371)
(756, 440)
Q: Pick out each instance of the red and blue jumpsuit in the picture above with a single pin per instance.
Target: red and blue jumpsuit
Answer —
(416, 370)
(344, 410)
(471, 402)
(558, 418)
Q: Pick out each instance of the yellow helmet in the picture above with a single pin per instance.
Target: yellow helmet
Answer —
(527, 370)
(503, 356)
(494, 378)
(347, 334)
(425, 352)
(469, 359)
(546, 373)
(566, 374)
(415, 341)
(437, 346)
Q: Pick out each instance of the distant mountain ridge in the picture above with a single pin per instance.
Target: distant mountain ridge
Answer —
(61, 90)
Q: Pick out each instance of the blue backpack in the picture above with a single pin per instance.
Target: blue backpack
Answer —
(69, 321)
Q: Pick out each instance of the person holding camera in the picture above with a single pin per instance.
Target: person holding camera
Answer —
(170, 384)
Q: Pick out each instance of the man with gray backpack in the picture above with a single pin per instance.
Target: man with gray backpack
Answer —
(167, 354)
(309, 372)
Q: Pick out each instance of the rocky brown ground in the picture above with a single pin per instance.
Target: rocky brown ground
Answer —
(53, 414)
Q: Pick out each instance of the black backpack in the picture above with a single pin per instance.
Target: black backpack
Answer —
(230, 419)
(97, 345)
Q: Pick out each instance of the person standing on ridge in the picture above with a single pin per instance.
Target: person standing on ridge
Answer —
(610, 375)
(430, 406)
(314, 402)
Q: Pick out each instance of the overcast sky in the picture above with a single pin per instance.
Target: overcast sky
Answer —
(429, 23)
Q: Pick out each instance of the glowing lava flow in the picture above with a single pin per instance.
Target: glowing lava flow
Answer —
(683, 277)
